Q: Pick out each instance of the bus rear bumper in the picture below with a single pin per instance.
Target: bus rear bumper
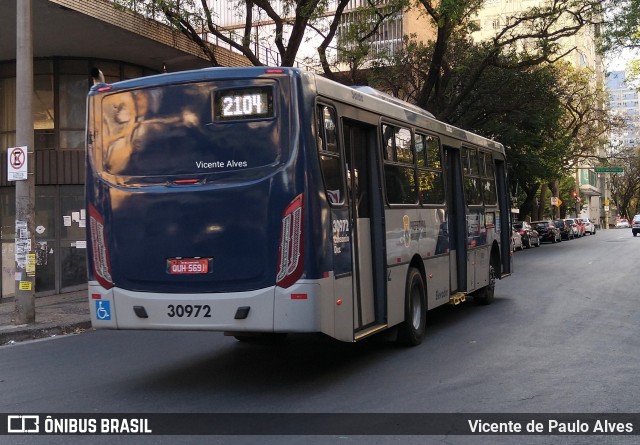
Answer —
(272, 309)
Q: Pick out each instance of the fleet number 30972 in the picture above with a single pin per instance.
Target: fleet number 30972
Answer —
(189, 310)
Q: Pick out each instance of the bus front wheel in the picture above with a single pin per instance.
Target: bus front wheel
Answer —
(412, 330)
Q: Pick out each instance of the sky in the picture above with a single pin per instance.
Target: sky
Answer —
(618, 61)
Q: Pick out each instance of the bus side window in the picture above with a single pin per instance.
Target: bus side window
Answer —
(472, 181)
(399, 168)
(489, 180)
(429, 162)
(329, 153)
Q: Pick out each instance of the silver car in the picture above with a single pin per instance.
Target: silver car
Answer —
(635, 225)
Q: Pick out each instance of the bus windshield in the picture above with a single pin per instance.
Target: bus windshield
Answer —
(189, 129)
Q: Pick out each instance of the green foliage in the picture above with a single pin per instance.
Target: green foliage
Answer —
(621, 29)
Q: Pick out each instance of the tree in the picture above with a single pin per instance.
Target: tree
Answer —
(290, 24)
(537, 30)
(291, 21)
(625, 187)
(550, 117)
(534, 34)
(621, 27)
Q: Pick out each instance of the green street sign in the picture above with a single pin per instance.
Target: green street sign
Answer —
(609, 169)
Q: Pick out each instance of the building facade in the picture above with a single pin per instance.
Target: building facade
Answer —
(122, 45)
(624, 100)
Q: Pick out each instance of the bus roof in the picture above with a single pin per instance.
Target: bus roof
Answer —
(363, 97)
(393, 107)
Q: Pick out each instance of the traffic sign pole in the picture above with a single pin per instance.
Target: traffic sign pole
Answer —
(25, 275)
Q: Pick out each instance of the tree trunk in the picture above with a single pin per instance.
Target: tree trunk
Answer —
(555, 210)
(542, 200)
(530, 205)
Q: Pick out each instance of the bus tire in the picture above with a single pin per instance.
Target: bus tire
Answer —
(486, 295)
(412, 330)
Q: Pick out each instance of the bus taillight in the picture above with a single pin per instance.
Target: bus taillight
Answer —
(100, 253)
(290, 260)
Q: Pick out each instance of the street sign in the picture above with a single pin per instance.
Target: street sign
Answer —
(609, 169)
(555, 201)
(17, 163)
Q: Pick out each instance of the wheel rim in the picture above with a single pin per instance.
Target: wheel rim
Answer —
(416, 307)
(492, 279)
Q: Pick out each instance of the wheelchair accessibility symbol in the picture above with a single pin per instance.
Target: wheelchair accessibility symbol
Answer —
(103, 310)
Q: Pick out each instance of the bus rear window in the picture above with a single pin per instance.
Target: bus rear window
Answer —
(172, 130)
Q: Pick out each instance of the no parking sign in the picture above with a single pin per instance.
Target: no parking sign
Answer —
(17, 163)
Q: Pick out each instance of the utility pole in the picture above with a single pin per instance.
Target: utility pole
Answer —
(25, 188)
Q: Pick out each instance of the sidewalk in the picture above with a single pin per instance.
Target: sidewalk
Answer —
(55, 315)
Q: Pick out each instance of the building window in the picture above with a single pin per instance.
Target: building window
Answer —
(385, 42)
(7, 113)
(72, 92)
(43, 106)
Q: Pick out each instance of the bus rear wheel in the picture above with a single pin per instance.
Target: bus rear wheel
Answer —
(412, 330)
(486, 295)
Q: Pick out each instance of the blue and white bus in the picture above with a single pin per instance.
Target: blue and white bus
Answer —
(258, 201)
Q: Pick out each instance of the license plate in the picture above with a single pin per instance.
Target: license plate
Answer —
(182, 266)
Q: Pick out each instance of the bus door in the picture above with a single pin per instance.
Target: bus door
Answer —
(365, 205)
(457, 220)
(505, 223)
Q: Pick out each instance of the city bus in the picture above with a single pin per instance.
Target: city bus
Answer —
(262, 201)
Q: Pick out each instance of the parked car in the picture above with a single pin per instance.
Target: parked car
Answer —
(635, 225)
(622, 223)
(580, 224)
(589, 226)
(547, 231)
(529, 236)
(516, 240)
(566, 231)
(575, 229)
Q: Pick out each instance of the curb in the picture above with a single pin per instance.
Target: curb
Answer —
(35, 332)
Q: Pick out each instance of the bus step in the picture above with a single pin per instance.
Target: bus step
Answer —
(370, 331)
(457, 298)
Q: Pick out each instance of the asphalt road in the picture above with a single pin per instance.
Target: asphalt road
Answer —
(561, 337)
